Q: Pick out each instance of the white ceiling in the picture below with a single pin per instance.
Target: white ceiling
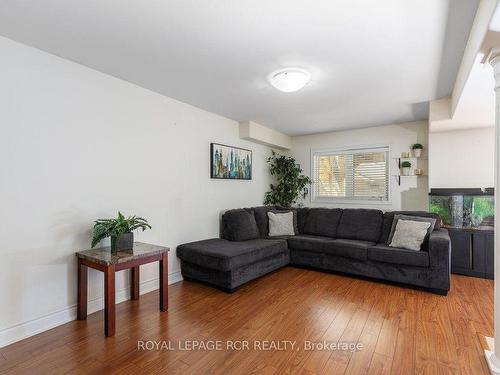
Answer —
(373, 62)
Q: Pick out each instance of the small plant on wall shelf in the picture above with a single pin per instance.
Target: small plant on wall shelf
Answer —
(417, 149)
(405, 168)
(291, 185)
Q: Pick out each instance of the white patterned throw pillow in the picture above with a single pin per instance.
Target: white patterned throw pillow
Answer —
(281, 224)
(409, 234)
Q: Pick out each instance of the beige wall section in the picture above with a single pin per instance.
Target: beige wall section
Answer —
(261, 134)
(439, 111)
(78, 145)
(462, 158)
(412, 194)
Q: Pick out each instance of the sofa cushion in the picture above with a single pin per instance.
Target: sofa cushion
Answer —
(410, 234)
(302, 214)
(389, 217)
(322, 221)
(308, 242)
(384, 253)
(280, 210)
(261, 219)
(354, 249)
(226, 255)
(360, 224)
(281, 223)
(398, 217)
(239, 225)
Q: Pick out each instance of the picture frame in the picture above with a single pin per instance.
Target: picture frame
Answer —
(230, 162)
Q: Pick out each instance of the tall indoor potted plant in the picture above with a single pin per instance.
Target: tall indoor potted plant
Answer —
(291, 185)
(120, 230)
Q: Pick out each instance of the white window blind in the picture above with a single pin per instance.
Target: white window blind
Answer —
(357, 174)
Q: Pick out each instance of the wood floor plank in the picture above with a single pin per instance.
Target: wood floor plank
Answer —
(386, 343)
(360, 361)
(339, 359)
(317, 360)
(403, 331)
(295, 361)
(380, 365)
(314, 361)
(404, 353)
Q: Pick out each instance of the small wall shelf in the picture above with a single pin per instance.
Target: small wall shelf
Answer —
(398, 159)
(399, 176)
(410, 157)
(413, 158)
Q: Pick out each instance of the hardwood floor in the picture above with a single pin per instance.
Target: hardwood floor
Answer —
(403, 331)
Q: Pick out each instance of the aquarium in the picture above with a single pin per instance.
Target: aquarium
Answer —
(463, 207)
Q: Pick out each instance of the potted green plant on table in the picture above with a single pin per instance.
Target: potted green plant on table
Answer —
(417, 150)
(120, 230)
(405, 168)
(291, 184)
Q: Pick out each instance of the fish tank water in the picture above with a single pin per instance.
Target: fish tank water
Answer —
(459, 208)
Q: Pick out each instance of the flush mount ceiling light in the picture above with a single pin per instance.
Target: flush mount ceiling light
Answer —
(289, 79)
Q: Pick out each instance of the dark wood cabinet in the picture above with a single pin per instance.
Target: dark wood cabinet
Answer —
(490, 261)
(472, 252)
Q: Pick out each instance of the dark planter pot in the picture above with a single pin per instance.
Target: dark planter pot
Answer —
(122, 242)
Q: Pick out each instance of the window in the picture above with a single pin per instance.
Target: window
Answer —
(351, 175)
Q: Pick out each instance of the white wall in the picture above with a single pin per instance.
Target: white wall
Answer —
(77, 145)
(462, 158)
(412, 194)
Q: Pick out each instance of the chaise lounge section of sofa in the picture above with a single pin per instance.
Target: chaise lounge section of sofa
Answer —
(351, 241)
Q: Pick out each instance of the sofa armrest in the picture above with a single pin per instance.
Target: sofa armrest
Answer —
(440, 260)
(440, 250)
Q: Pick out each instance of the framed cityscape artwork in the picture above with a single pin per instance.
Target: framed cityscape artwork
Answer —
(232, 163)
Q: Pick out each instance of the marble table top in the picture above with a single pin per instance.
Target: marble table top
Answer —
(104, 256)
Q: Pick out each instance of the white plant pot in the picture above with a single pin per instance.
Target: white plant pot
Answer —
(405, 171)
(417, 152)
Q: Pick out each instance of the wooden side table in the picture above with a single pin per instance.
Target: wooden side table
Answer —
(103, 260)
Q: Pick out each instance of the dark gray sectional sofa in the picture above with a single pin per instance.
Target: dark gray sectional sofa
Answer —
(352, 241)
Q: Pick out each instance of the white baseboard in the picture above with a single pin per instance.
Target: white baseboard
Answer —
(32, 327)
(491, 360)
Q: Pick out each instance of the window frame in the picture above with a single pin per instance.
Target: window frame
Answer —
(348, 200)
